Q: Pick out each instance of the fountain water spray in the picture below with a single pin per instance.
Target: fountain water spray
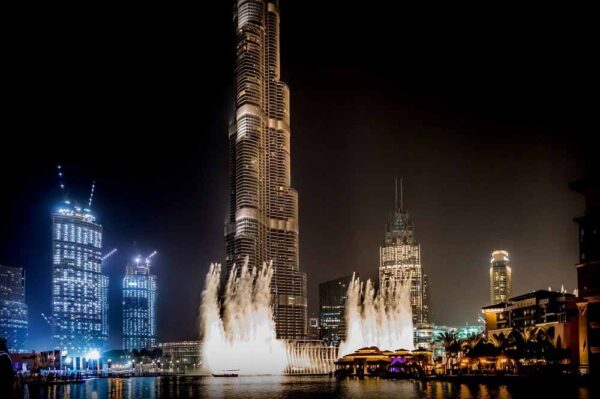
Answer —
(239, 332)
(381, 319)
(245, 337)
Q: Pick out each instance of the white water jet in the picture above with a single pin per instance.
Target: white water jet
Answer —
(245, 337)
(239, 332)
(382, 319)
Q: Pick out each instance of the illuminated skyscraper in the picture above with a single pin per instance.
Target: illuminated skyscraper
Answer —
(262, 223)
(13, 310)
(400, 260)
(139, 306)
(79, 289)
(500, 277)
(332, 302)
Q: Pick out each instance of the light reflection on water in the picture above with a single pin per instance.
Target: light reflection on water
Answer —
(272, 387)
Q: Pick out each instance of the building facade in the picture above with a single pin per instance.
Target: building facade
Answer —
(400, 261)
(139, 306)
(13, 310)
(313, 331)
(588, 277)
(262, 224)
(332, 303)
(500, 277)
(181, 356)
(79, 289)
(539, 309)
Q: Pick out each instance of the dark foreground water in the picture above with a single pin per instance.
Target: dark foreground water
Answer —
(296, 387)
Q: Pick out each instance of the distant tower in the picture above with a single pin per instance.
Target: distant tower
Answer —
(79, 289)
(332, 302)
(13, 310)
(262, 225)
(425, 298)
(400, 259)
(139, 306)
(500, 277)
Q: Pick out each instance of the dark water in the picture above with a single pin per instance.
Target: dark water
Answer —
(295, 387)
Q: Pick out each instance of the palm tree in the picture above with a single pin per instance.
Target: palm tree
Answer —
(532, 343)
(451, 343)
(469, 343)
(500, 342)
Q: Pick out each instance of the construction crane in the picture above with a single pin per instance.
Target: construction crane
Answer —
(150, 257)
(51, 321)
(61, 183)
(92, 194)
(108, 255)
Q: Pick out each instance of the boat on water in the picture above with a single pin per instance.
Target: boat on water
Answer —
(227, 373)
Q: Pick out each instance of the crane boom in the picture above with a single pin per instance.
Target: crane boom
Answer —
(92, 194)
(108, 255)
(151, 256)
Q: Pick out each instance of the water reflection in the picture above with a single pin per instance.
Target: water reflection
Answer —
(293, 387)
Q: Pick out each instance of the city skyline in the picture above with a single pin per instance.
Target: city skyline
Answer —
(345, 200)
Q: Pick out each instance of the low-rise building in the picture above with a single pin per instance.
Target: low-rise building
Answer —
(182, 356)
(538, 309)
(37, 361)
(588, 276)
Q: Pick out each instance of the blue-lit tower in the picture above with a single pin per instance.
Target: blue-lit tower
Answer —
(13, 310)
(139, 306)
(79, 289)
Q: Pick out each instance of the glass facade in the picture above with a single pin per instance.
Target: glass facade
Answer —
(332, 302)
(79, 289)
(262, 224)
(500, 277)
(139, 307)
(181, 356)
(13, 310)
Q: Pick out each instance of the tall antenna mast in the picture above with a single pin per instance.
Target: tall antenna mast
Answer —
(92, 194)
(401, 197)
(395, 193)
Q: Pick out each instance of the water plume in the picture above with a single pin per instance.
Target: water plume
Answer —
(244, 338)
(382, 319)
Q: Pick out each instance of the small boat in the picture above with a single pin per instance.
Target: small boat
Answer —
(227, 373)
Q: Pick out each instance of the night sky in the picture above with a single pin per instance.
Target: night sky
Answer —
(484, 118)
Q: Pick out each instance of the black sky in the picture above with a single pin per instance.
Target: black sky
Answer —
(483, 115)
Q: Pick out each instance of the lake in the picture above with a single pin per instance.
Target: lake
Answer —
(294, 387)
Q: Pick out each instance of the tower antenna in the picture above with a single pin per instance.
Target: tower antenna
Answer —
(92, 194)
(401, 197)
(396, 193)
